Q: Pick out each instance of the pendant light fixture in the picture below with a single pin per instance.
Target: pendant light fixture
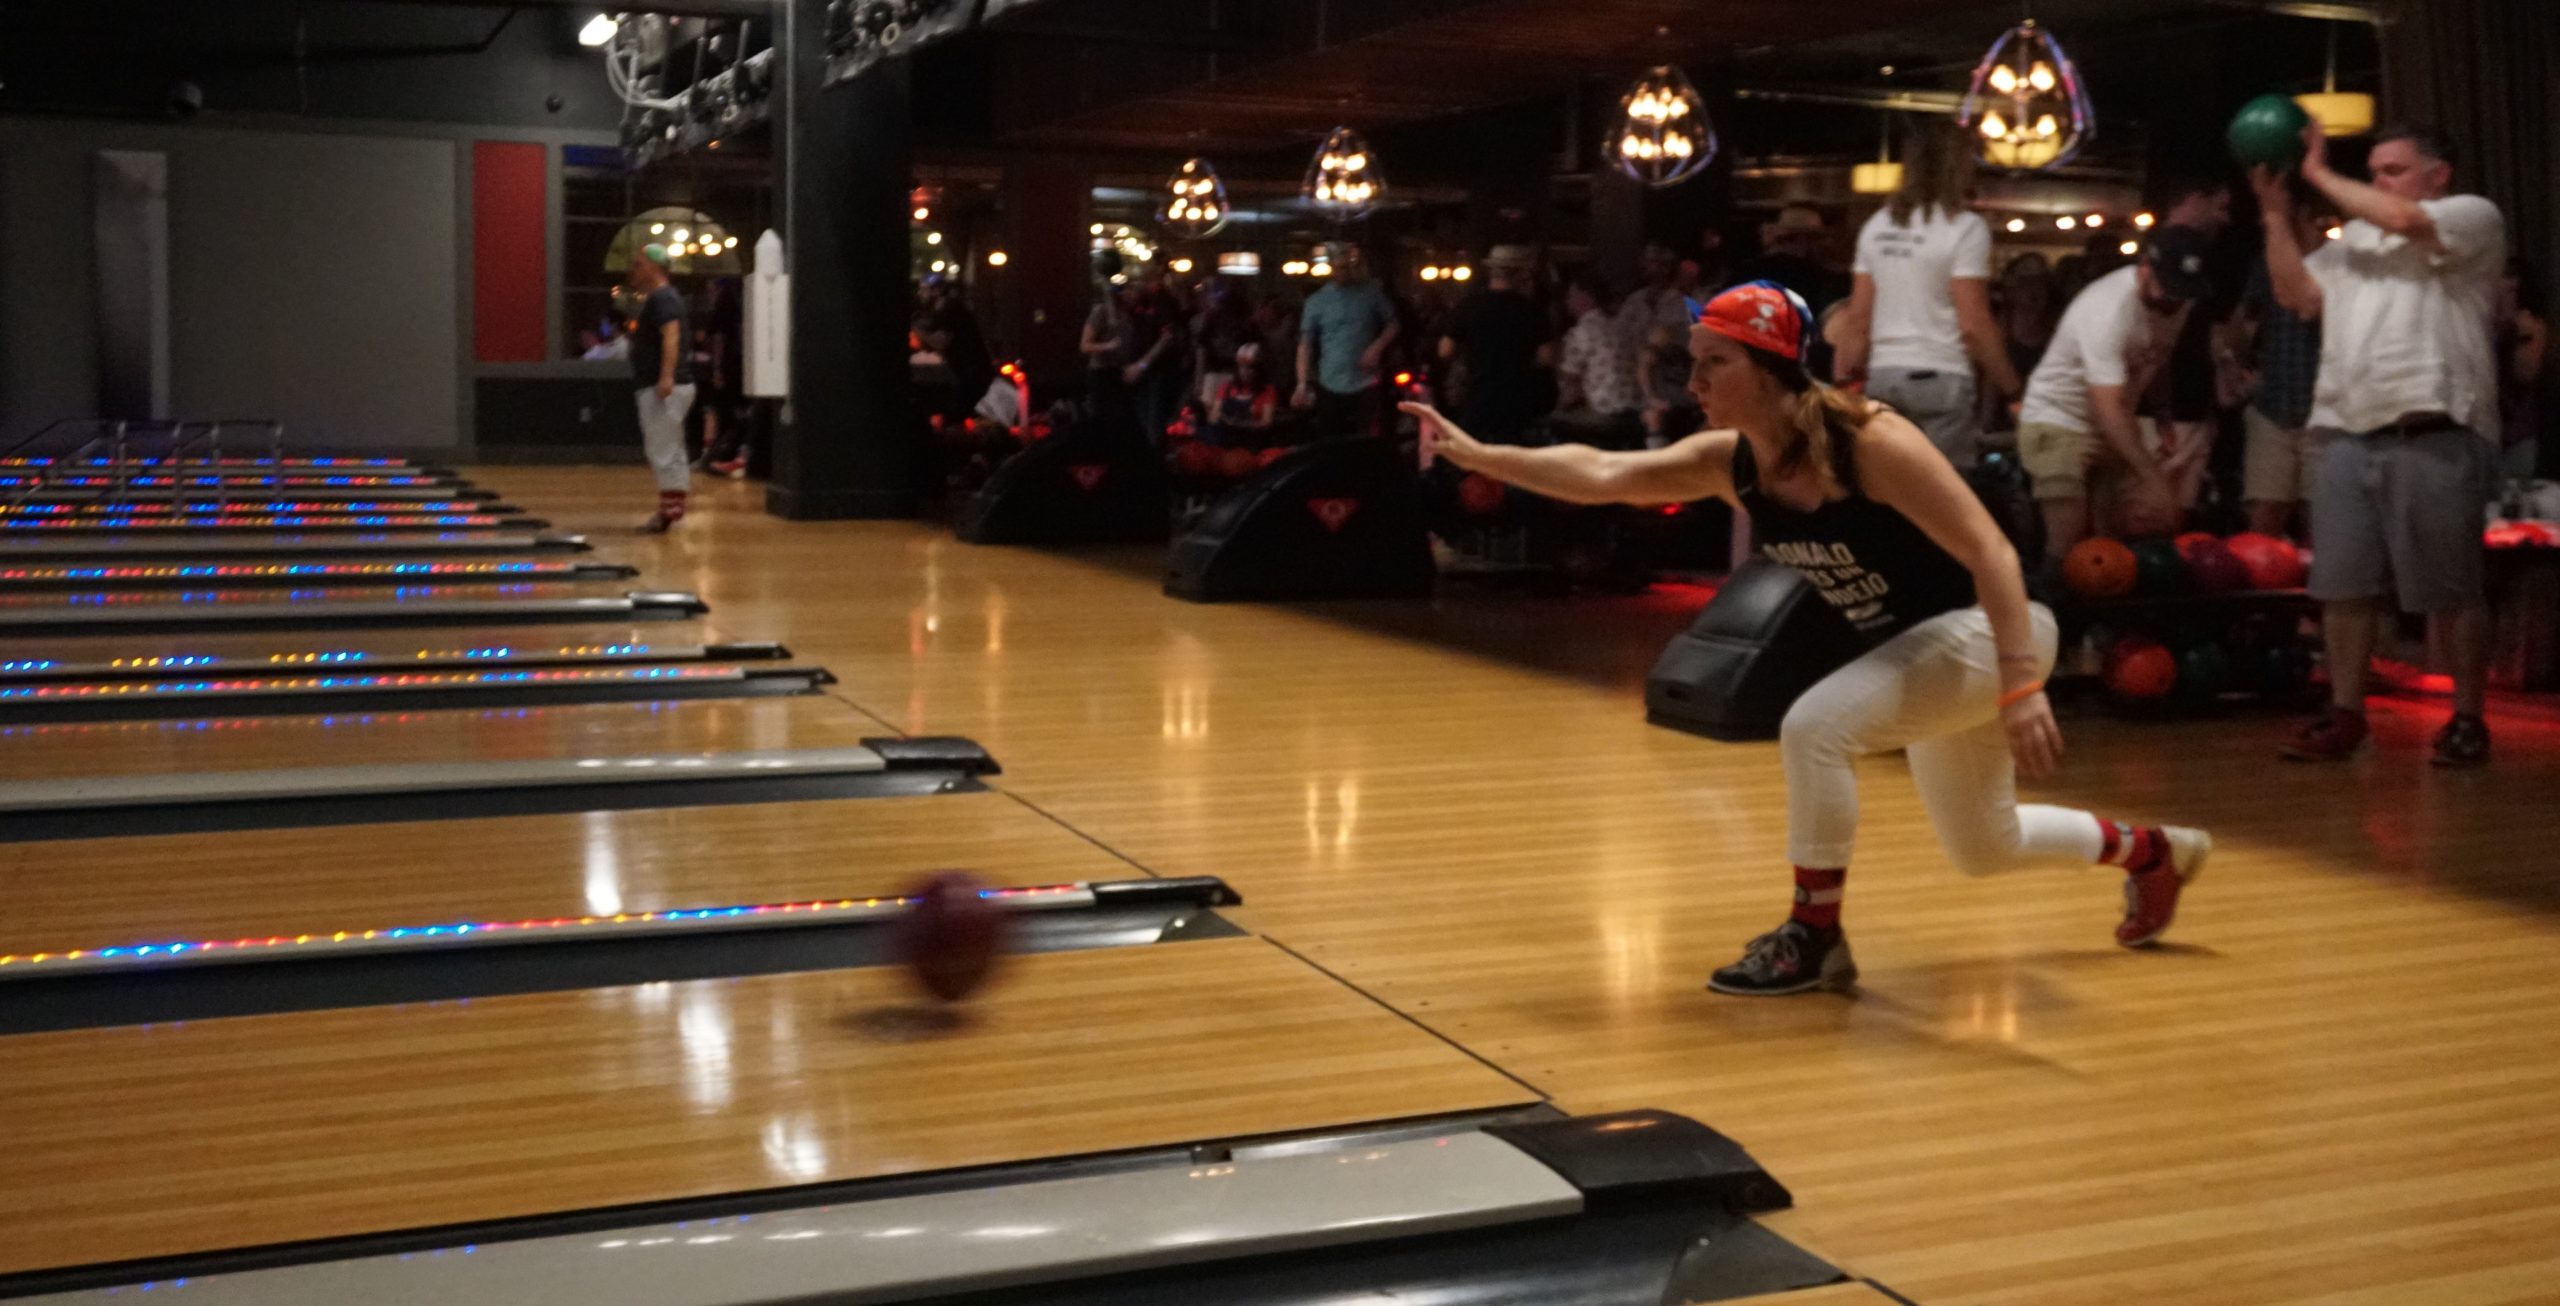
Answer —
(1663, 136)
(2339, 113)
(1344, 182)
(1195, 201)
(2027, 107)
(1882, 177)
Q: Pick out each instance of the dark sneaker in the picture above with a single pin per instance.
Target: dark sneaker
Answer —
(2464, 741)
(661, 523)
(2333, 738)
(1793, 958)
(2151, 897)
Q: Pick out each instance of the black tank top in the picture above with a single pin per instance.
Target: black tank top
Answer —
(1882, 574)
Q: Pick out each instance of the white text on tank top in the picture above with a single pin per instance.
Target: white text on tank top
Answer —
(1838, 576)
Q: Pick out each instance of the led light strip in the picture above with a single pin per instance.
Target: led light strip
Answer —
(290, 480)
(482, 933)
(38, 602)
(270, 570)
(203, 462)
(258, 521)
(374, 682)
(195, 508)
(345, 657)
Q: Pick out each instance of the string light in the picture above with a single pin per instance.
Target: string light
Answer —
(1663, 136)
(2144, 221)
(2026, 106)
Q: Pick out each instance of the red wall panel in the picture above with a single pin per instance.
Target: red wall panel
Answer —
(510, 252)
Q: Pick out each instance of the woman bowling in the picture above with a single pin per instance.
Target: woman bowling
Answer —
(1856, 499)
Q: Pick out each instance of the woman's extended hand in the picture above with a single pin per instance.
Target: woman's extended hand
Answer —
(1442, 438)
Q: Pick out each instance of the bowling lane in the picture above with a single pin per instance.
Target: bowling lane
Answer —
(108, 892)
(135, 748)
(150, 1141)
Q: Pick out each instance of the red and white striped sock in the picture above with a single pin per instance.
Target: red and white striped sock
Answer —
(2136, 848)
(1818, 895)
(671, 504)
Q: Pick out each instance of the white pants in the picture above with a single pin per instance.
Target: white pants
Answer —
(662, 435)
(1933, 690)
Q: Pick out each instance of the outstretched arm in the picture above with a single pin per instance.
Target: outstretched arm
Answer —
(1699, 467)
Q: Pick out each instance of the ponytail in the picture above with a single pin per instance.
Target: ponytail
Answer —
(1826, 423)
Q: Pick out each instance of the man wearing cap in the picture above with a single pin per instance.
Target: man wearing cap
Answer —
(2078, 418)
(662, 365)
(2409, 384)
(1344, 333)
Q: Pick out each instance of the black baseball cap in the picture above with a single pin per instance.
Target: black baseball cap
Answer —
(2176, 257)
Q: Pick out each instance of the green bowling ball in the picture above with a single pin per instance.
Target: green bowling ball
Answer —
(2283, 670)
(2204, 671)
(2160, 571)
(2268, 131)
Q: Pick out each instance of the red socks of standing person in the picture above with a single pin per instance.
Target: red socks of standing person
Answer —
(2135, 848)
(1818, 895)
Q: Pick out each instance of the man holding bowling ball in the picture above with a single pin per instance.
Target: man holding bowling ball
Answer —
(2409, 385)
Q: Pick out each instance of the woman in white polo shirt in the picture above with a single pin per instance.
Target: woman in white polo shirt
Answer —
(1919, 331)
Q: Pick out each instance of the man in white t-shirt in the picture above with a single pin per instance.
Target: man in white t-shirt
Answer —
(2078, 420)
(1918, 330)
(2409, 384)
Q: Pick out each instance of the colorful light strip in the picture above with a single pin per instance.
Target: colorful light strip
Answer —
(378, 682)
(326, 507)
(279, 570)
(253, 948)
(343, 657)
(289, 480)
(203, 462)
(36, 602)
(258, 521)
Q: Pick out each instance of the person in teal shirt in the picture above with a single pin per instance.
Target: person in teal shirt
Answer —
(1343, 336)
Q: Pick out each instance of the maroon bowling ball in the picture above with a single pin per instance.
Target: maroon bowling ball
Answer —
(2217, 569)
(950, 939)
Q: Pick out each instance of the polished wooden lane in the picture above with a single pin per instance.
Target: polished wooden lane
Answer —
(264, 883)
(2333, 1086)
(123, 748)
(211, 1134)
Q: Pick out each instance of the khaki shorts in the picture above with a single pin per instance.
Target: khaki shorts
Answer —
(2282, 463)
(2063, 462)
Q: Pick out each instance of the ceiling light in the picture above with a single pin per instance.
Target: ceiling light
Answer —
(598, 31)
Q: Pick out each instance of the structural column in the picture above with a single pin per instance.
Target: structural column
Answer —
(850, 440)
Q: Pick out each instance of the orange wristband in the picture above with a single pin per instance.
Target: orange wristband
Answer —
(2021, 693)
